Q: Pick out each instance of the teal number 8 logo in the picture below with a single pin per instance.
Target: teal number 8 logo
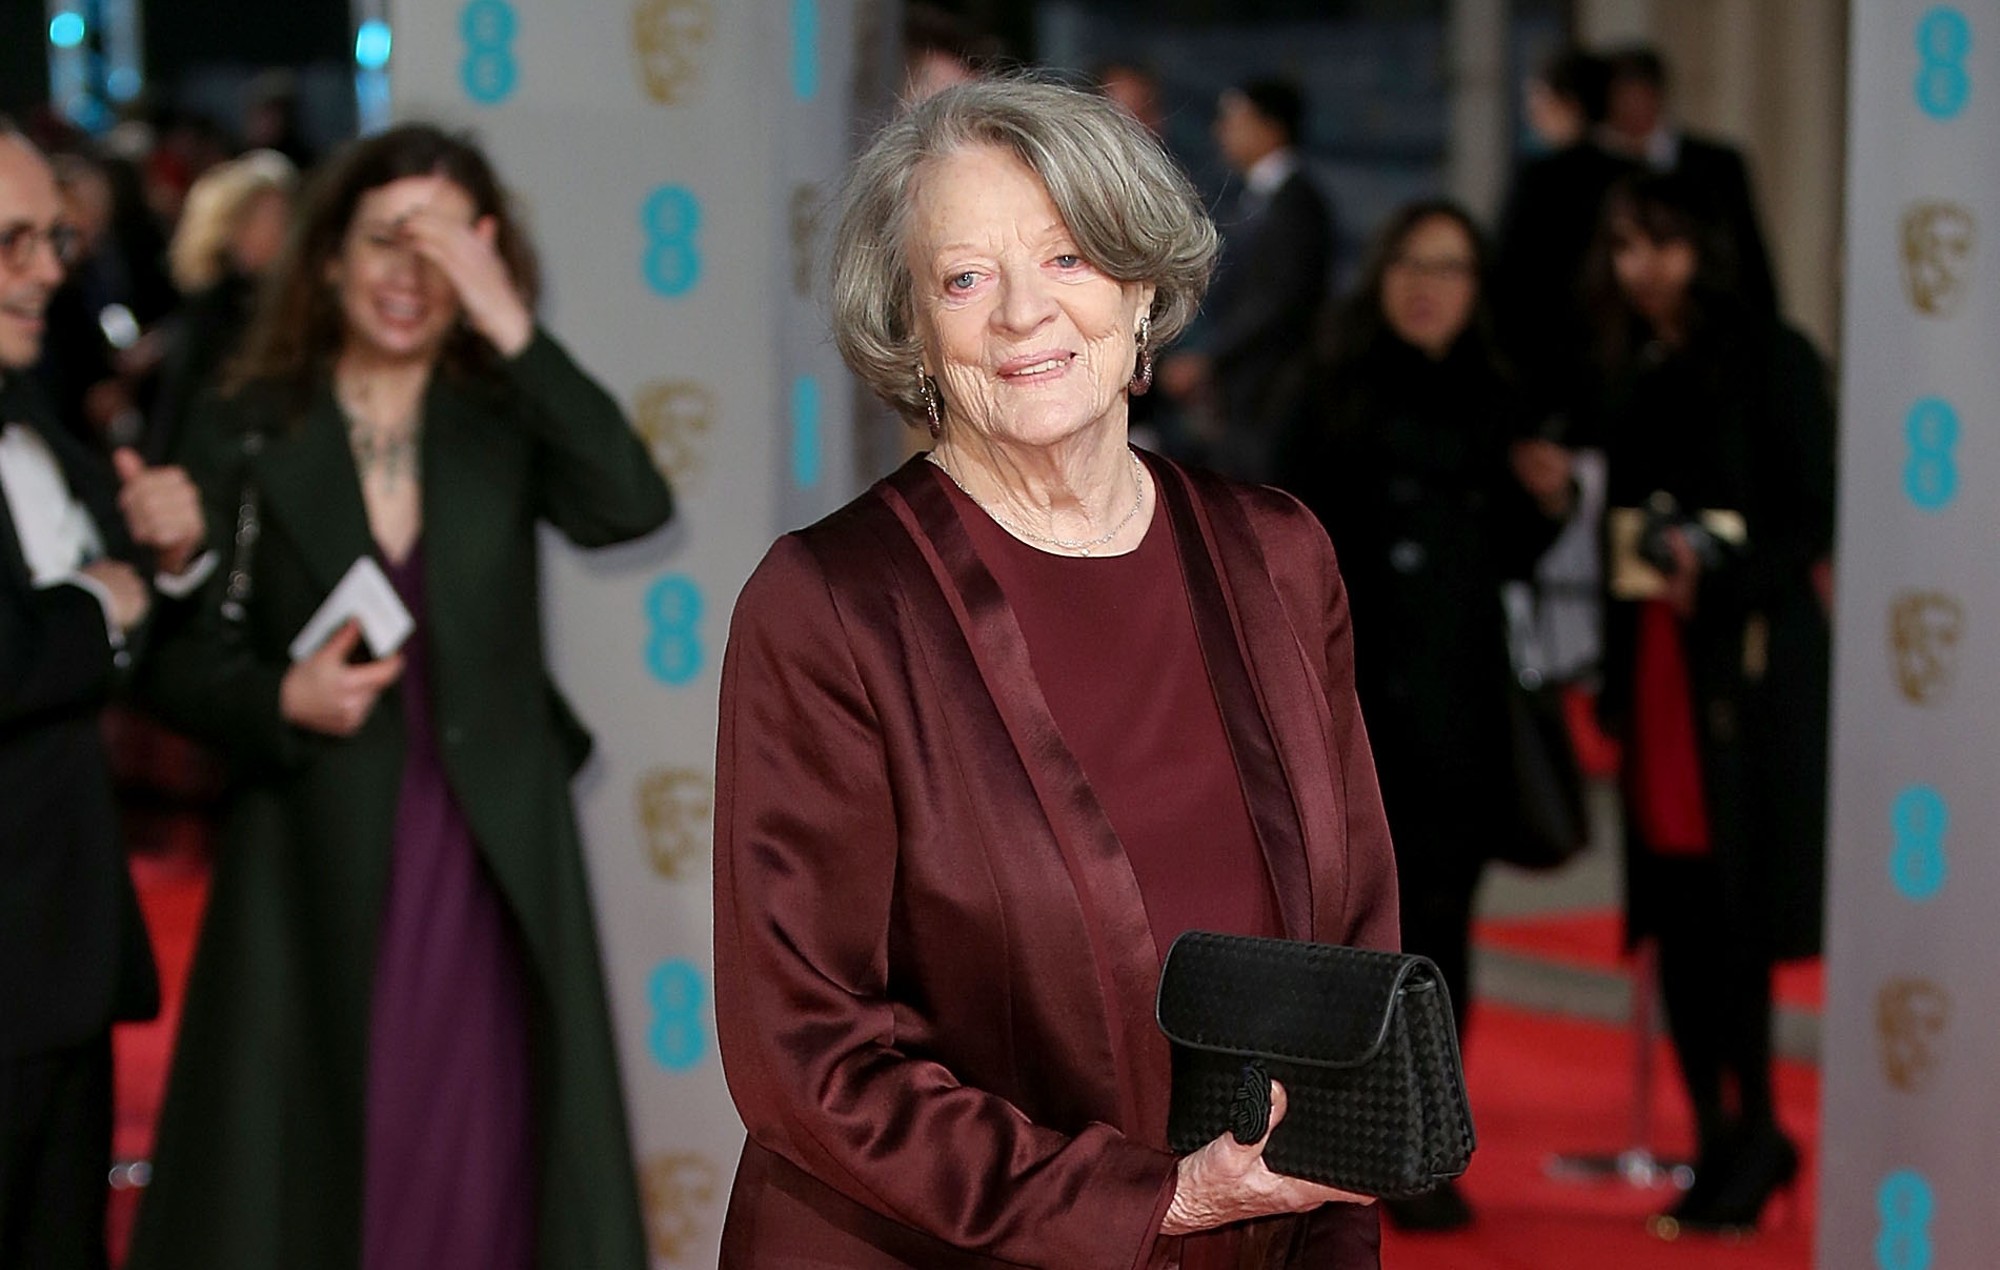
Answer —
(1919, 820)
(679, 997)
(1944, 38)
(673, 613)
(671, 220)
(489, 70)
(1906, 1206)
(1930, 477)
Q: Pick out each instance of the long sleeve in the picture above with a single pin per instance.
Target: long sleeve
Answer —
(806, 862)
(598, 484)
(201, 677)
(1795, 447)
(54, 654)
(1283, 278)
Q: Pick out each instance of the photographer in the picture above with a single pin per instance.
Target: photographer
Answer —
(1718, 430)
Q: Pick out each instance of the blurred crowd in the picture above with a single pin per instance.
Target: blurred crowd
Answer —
(1574, 457)
(1574, 452)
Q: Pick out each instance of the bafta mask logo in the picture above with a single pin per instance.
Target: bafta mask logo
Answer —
(1910, 1016)
(805, 233)
(1924, 632)
(676, 805)
(680, 1192)
(1938, 239)
(674, 417)
(670, 39)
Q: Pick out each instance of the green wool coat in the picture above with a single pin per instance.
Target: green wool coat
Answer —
(260, 1147)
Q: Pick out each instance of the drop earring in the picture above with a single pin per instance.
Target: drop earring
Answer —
(927, 392)
(1142, 378)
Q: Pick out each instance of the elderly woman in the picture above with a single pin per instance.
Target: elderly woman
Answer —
(998, 731)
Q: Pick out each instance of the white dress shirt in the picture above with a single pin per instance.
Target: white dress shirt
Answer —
(1270, 172)
(57, 533)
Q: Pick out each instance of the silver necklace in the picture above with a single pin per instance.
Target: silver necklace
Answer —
(390, 453)
(1082, 546)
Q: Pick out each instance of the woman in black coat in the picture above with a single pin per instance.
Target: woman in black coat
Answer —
(1718, 429)
(1417, 471)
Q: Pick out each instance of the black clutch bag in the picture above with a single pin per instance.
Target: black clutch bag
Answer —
(1362, 1041)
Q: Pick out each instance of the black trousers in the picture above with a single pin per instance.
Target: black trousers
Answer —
(1717, 993)
(55, 1157)
(1435, 891)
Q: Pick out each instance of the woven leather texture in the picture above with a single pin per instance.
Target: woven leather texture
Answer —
(1361, 1040)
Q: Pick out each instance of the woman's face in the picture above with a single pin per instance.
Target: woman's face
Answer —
(1653, 274)
(260, 232)
(1431, 285)
(1029, 343)
(394, 304)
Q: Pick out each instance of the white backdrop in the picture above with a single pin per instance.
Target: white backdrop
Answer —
(1912, 1160)
(669, 155)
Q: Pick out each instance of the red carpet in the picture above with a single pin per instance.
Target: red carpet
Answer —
(1540, 1085)
(172, 889)
(1592, 940)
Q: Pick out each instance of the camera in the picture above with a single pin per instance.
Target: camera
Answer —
(1664, 514)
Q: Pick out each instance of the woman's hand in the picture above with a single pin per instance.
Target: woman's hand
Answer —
(1684, 583)
(324, 694)
(1546, 472)
(1227, 1182)
(467, 257)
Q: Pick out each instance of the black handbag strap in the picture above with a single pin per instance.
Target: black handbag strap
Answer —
(241, 583)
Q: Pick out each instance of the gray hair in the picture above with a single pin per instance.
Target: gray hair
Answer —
(1131, 209)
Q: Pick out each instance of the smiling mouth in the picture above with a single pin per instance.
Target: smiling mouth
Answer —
(1040, 368)
(401, 311)
(29, 311)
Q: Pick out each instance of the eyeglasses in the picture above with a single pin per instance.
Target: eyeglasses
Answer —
(1453, 268)
(18, 243)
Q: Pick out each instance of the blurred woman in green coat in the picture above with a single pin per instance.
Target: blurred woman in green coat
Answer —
(395, 1050)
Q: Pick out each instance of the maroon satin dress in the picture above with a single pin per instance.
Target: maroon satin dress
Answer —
(1112, 640)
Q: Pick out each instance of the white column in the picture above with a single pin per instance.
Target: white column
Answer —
(1603, 23)
(1479, 152)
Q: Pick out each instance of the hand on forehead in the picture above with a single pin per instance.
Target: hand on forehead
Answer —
(409, 195)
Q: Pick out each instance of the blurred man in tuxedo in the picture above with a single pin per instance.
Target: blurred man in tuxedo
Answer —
(1253, 359)
(1639, 125)
(78, 536)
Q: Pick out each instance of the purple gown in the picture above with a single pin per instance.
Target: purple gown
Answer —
(450, 1163)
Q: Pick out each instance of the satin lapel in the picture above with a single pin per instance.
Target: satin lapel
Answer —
(90, 481)
(93, 483)
(307, 482)
(1127, 960)
(1266, 789)
(11, 558)
(14, 407)
(1293, 697)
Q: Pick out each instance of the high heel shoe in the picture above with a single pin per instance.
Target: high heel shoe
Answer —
(1764, 1162)
(1711, 1166)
